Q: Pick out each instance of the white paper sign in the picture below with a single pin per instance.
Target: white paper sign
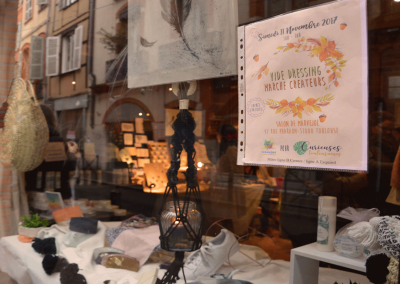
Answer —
(139, 124)
(128, 139)
(128, 127)
(305, 95)
(141, 139)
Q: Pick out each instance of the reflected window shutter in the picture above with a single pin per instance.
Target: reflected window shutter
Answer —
(52, 55)
(18, 41)
(36, 64)
(19, 64)
(41, 2)
(77, 48)
(28, 11)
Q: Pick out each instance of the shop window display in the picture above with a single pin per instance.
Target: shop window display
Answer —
(111, 95)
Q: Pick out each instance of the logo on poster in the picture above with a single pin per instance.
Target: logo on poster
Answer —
(269, 148)
(301, 147)
(255, 107)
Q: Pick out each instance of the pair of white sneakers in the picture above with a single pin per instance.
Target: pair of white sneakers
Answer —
(211, 256)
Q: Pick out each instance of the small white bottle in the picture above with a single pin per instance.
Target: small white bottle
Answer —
(327, 206)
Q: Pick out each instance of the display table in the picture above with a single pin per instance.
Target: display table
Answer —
(23, 264)
(304, 263)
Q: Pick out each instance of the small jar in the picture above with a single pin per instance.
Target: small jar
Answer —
(179, 239)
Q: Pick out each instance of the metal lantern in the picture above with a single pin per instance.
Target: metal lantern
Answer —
(181, 220)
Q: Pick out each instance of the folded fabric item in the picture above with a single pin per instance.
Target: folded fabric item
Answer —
(140, 243)
(113, 233)
(99, 253)
(69, 275)
(139, 221)
(83, 225)
(120, 261)
(45, 246)
(53, 263)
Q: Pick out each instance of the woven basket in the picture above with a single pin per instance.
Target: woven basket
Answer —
(26, 134)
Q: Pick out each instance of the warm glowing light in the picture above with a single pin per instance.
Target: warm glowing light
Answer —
(396, 0)
(140, 114)
(199, 164)
(170, 89)
(148, 114)
(176, 222)
(73, 82)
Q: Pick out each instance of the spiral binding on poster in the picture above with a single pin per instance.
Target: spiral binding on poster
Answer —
(241, 97)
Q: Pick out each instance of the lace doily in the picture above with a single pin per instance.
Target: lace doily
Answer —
(389, 235)
(393, 276)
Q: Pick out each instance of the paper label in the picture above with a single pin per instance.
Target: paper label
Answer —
(323, 229)
(346, 246)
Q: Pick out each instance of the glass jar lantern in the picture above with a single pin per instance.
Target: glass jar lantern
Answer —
(180, 228)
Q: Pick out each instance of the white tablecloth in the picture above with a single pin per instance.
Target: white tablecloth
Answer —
(24, 265)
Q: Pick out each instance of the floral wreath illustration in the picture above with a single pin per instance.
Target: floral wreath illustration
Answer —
(300, 106)
(327, 52)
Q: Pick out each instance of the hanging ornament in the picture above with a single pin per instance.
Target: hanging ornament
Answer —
(181, 219)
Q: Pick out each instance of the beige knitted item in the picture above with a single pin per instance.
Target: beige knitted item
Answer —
(25, 129)
(393, 276)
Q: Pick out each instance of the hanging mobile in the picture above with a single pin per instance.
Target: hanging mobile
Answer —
(181, 223)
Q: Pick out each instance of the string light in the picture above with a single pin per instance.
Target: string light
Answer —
(140, 114)
(73, 82)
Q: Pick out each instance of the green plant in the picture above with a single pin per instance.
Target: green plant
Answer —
(114, 42)
(34, 221)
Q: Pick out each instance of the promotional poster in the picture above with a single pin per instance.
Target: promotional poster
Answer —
(306, 88)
